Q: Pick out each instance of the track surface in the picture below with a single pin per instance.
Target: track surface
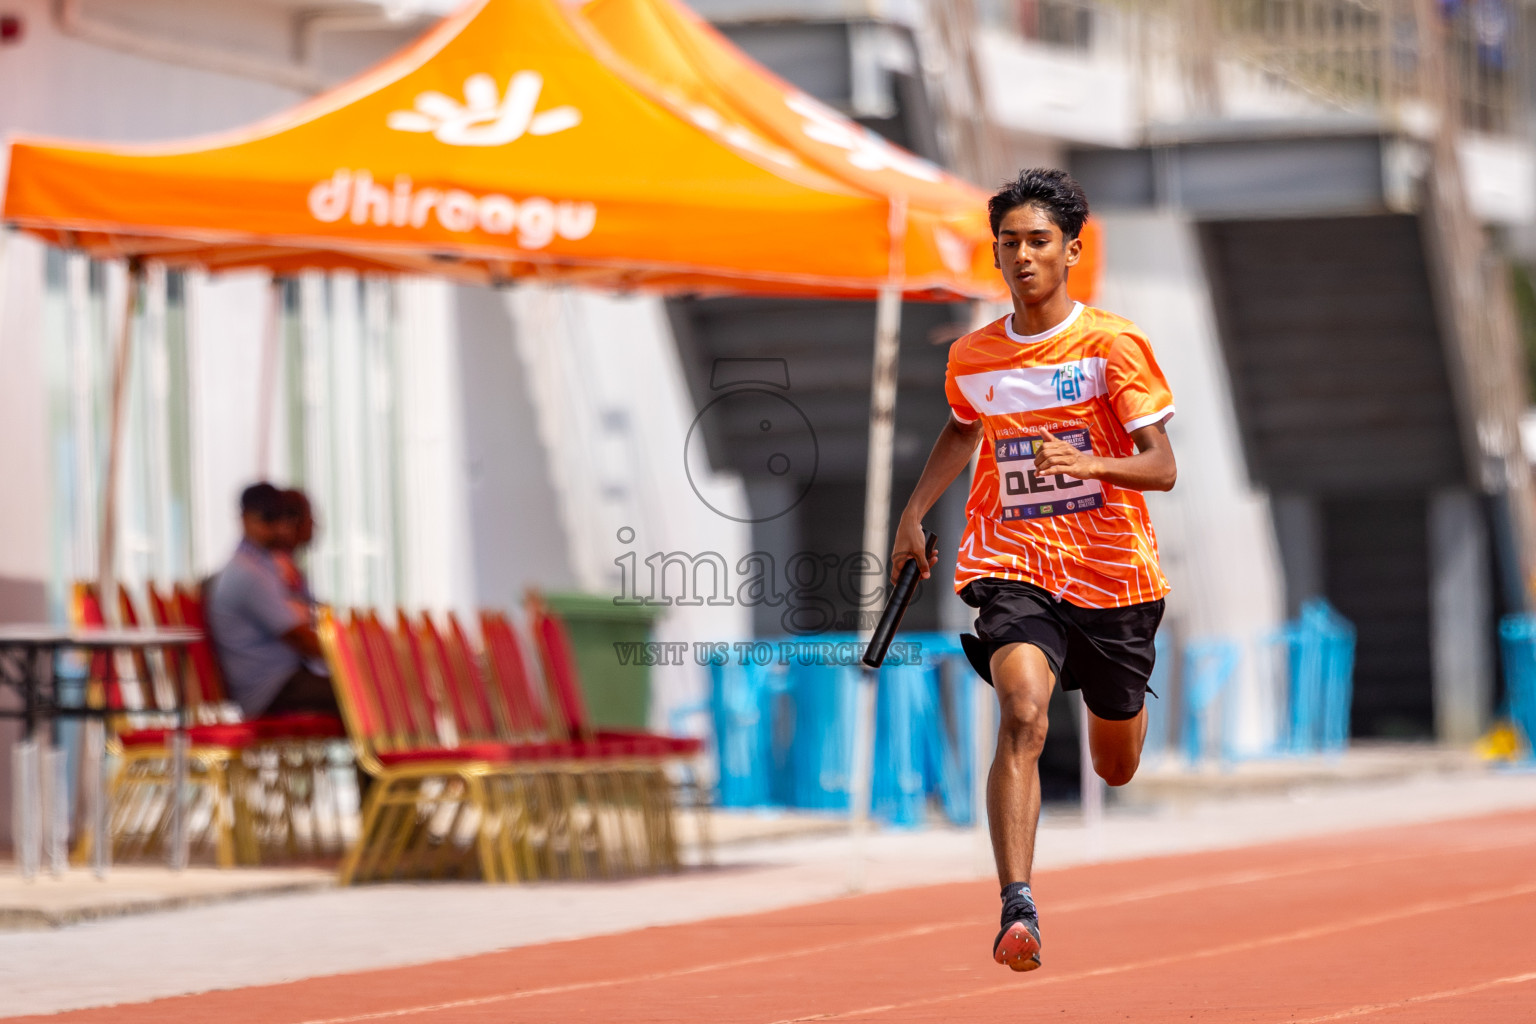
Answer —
(1429, 923)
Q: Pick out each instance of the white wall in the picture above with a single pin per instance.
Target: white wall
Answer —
(1214, 529)
(25, 534)
(439, 569)
(1079, 97)
(520, 537)
(55, 85)
(226, 321)
(613, 412)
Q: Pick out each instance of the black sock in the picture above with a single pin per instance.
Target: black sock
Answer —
(1015, 891)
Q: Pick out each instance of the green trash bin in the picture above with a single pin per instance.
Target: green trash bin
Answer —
(617, 689)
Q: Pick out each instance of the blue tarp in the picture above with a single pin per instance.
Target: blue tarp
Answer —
(784, 732)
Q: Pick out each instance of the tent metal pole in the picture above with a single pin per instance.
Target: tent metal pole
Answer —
(106, 574)
(877, 517)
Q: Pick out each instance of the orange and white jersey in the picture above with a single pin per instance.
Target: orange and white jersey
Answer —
(1090, 380)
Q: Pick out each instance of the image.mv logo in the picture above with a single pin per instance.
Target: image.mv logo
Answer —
(1068, 381)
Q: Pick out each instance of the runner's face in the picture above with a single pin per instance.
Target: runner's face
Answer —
(1032, 254)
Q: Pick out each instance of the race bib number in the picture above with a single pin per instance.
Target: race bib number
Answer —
(1028, 495)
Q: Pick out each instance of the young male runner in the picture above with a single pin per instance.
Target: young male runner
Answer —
(1058, 553)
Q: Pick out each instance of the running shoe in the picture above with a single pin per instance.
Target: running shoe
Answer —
(1018, 944)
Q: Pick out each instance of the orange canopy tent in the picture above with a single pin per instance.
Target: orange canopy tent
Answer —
(696, 70)
(703, 74)
(502, 146)
(699, 71)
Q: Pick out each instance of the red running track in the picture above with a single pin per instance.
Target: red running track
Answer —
(1428, 923)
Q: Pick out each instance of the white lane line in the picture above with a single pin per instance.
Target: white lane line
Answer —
(1428, 997)
(1250, 876)
(1299, 935)
(633, 979)
(1151, 892)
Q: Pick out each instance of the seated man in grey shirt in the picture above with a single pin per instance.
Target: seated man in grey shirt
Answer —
(263, 630)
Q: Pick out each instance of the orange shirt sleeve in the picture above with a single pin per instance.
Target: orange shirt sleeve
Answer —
(958, 405)
(1138, 391)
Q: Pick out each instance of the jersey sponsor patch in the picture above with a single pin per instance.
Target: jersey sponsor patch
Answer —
(1027, 494)
(1033, 388)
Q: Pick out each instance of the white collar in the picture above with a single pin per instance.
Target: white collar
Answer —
(1050, 332)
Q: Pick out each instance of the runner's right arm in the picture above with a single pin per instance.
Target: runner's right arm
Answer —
(951, 453)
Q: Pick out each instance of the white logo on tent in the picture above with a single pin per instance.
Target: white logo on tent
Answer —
(866, 150)
(485, 118)
(733, 134)
(954, 250)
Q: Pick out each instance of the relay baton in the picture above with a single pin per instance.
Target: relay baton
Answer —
(896, 605)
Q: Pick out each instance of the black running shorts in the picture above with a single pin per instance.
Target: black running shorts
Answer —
(1105, 652)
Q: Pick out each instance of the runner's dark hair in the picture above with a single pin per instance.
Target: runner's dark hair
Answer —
(1054, 191)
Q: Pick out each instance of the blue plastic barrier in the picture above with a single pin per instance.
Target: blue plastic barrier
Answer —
(1209, 666)
(1318, 661)
(918, 751)
(1517, 638)
(905, 716)
(742, 705)
(784, 733)
(823, 701)
(1317, 653)
(1159, 717)
(1321, 648)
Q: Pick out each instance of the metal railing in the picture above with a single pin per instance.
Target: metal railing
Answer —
(1348, 52)
(1360, 55)
(1373, 53)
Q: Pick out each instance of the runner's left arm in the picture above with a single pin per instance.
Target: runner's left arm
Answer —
(1152, 468)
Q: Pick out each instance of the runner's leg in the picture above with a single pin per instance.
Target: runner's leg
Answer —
(1116, 746)
(1023, 678)
(1111, 653)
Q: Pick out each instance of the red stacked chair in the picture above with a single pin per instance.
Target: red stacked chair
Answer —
(227, 735)
(414, 777)
(140, 788)
(648, 751)
(560, 672)
(508, 672)
(384, 680)
(468, 699)
(563, 817)
(183, 663)
(265, 773)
